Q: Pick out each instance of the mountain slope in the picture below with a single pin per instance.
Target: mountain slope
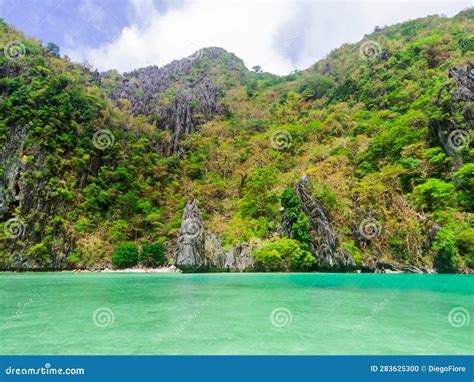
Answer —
(182, 94)
(380, 128)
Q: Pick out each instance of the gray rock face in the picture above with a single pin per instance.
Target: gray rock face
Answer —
(215, 253)
(179, 118)
(190, 246)
(197, 251)
(464, 79)
(324, 241)
(10, 183)
(182, 95)
(238, 258)
(451, 133)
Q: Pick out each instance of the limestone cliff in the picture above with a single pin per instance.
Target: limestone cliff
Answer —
(198, 251)
(324, 240)
(181, 95)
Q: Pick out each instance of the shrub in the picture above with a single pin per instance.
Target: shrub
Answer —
(434, 194)
(125, 256)
(259, 200)
(353, 251)
(447, 253)
(399, 248)
(299, 221)
(283, 255)
(465, 244)
(315, 87)
(153, 254)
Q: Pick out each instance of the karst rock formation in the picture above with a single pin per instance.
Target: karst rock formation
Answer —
(324, 240)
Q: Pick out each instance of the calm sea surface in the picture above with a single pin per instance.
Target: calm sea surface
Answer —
(90, 313)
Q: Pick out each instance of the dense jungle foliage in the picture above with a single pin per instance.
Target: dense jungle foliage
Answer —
(373, 132)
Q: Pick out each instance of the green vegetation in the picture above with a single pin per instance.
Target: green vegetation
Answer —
(371, 134)
(153, 254)
(125, 256)
(283, 255)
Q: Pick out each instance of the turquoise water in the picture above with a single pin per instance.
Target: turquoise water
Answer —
(64, 313)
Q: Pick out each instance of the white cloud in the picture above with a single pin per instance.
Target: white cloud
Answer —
(280, 35)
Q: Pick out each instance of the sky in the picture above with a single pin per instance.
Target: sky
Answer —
(278, 35)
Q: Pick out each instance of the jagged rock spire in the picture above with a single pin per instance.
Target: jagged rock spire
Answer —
(190, 250)
(464, 79)
(324, 241)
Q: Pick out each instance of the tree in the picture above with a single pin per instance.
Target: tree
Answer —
(434, 194)
(52, 49)
(153, 254)
(125, 256)
(283, 255)
(259, 199)
(315, 87)
(297, 218)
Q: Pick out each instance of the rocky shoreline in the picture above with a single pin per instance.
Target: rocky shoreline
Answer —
(170, 269)
(199, 250)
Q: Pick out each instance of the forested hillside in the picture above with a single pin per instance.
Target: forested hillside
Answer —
(362, 161)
